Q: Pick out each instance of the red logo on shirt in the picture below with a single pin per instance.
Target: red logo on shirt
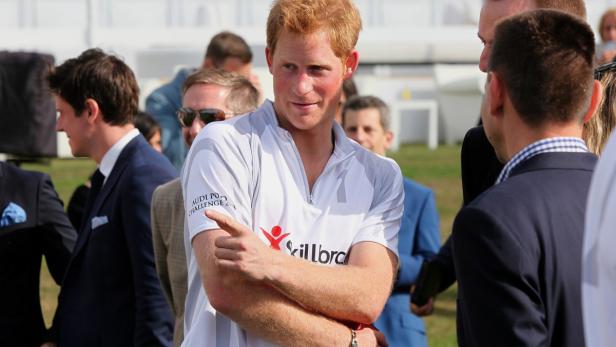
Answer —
(275, 237)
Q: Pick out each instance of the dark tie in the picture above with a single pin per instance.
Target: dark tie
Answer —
(97, 182)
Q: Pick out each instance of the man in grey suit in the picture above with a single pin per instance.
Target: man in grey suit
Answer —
(517, 247)
(208, 95)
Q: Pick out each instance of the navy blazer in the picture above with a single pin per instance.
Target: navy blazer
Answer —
(47, 231)
(419, 238)
(517, 251)
(111, 295)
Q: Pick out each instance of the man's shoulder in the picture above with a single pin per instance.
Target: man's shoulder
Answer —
(12, 173)
(142, 160)
(236, 131)
(168, 191)
(374, 163)
(170, 92)
(412, 187)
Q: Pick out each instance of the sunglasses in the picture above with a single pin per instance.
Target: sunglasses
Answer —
(186, 116)
(601, 70)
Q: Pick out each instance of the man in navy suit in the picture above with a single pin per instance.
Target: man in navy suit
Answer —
(365, 119)
(32, 224)
(517, 247)
(111, 295)
(479, 164)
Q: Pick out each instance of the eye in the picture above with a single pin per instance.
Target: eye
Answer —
(288, 66)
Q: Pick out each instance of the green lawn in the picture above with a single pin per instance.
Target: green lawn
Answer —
(439, 170)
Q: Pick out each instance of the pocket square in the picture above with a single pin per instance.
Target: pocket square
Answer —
(12, 214)
(98, 221)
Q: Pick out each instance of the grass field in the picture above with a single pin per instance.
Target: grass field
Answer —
(439, 170)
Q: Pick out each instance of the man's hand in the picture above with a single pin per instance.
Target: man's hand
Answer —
(424, 310)
(242, 251)
(370, 337)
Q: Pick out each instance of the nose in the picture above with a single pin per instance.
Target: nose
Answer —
(195, 128)
(361, 136)
(483, 59)
(303, 85)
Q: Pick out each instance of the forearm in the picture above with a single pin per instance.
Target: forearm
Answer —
(264, 312)
(259, 308)
(356, 292)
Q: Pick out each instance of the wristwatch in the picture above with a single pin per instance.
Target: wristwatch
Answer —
(354, 339)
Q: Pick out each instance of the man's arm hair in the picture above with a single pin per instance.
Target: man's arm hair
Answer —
(259, 308)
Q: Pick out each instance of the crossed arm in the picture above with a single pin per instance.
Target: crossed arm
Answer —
(291, 301)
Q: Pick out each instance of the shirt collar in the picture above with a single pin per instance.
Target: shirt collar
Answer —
(549, 145)
(110, 158)
(342, 144)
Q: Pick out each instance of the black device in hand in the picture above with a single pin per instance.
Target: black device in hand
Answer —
(428, 282)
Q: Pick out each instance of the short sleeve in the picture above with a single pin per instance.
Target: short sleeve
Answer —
(382, 222)
(216, 176)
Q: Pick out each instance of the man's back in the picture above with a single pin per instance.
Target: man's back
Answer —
(517, 249)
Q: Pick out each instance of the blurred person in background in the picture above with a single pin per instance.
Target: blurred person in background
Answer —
(349, 89)
(226, 51)
(598, 129)
(365, 119)
(149, 128)
(33, 224)
(606, 50)
(209, 95)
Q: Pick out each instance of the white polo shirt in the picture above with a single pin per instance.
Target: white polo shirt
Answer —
(249, 167)
(599, 257)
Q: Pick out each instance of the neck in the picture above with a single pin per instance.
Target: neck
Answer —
(108, 136)
(521, 135)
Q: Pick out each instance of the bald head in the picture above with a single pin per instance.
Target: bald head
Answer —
(494, 10)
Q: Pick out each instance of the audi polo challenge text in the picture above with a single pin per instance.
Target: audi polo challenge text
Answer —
(208, 200)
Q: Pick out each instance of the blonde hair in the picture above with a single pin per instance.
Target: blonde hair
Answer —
(598, 129)
(609, 12)
(340, 19)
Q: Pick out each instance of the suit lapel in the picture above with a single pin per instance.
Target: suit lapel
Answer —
(106, 190)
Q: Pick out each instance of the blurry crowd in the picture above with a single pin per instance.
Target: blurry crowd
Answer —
(218, 218)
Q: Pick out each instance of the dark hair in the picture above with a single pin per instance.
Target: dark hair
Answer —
(226, 45)
(146, 124)
(575, 7)
(243, 96)
(349, 88)
(357, 103)
(545, 59)
(101, 77)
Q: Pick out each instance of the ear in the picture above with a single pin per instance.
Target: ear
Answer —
(595, 100)
(389, 138)
(350, 64)
(269, 58)
(497, 92)
(92, 111)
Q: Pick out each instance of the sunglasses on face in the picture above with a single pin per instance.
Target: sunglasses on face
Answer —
(186, 116)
